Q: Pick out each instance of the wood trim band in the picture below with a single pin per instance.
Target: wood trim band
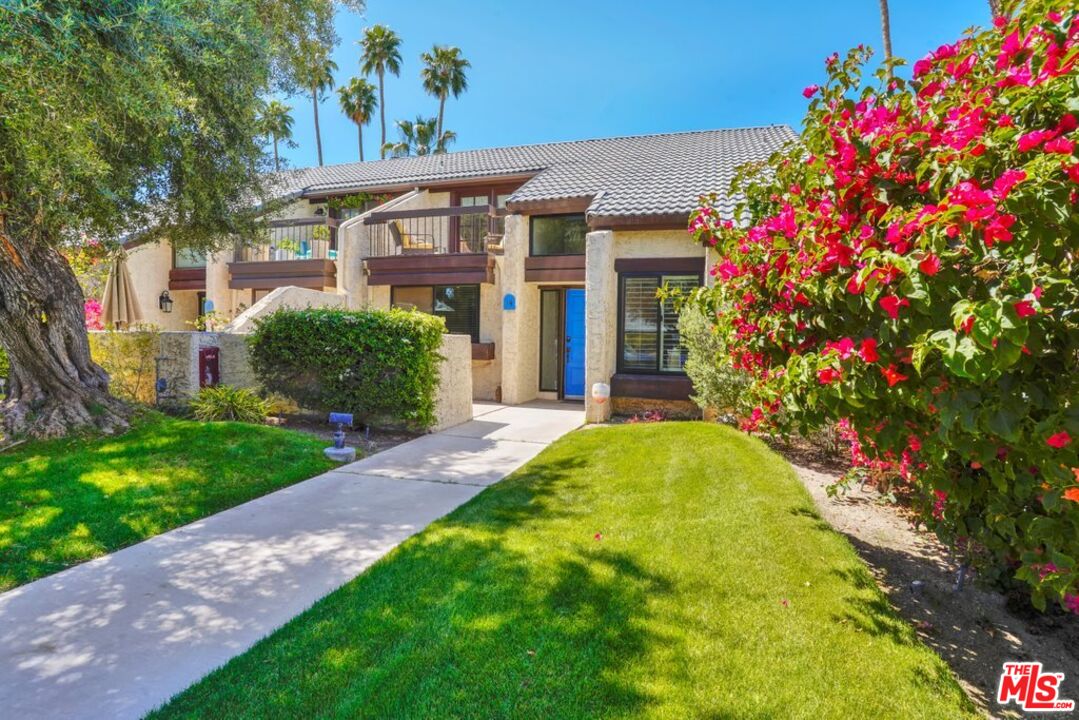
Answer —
(555, 268)
(187, 279)
(441, 269)
(483, 351)
(651, 387)
(666, 264)
(313, 274)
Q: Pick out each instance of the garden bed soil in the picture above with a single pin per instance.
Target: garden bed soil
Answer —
(977, 630)
(377, 440)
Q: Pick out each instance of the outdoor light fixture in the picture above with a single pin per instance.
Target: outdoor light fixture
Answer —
(600, 392)
(165, 302)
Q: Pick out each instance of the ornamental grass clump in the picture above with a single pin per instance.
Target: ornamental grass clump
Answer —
(908, 270)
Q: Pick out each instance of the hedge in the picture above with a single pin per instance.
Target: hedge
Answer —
(379, 365)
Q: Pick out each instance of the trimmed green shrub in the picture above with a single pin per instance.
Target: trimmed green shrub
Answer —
(718, 386)
(5, 368)
(380, 365)
(224, 402)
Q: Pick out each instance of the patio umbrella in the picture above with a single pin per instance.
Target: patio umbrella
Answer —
(119, 307)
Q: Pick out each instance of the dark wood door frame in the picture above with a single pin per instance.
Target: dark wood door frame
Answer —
(561, 289)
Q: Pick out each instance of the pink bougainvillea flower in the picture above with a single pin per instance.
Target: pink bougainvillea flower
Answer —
(891, 304)
(1008, 180)
(827, 376)
(1071, 602)
(1059, 440)
(1060, 145)
(892, 375)
(810, 91)
(854, 287)
(868, 353)
(999, 230)
(1024, 309)
(844, 348)
(930, 265)
(1033, 139)
(598, 536)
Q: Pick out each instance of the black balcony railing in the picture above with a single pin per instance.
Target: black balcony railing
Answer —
(299, 239)
(434, 231)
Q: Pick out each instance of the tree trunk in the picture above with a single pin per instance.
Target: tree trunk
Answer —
(441, 112)
(359, 126)
(54, 387)
(318, 134)
(886, 30)
(994, 8)
(382, 115)
(276, 159)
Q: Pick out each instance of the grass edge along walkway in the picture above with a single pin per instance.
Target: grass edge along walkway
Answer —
(672, 570)
(63, 502)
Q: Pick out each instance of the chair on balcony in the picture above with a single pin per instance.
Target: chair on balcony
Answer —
(410, 243)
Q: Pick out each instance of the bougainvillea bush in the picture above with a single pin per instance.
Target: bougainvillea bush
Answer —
(909, 271)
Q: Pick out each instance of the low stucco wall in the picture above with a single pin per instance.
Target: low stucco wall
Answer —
(453, 399)
(292, 297)
(180, 361)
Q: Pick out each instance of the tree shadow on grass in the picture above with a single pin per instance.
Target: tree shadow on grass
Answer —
(65, 502)
(487, 614)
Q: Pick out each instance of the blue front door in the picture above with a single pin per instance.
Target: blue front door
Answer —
(573, 374)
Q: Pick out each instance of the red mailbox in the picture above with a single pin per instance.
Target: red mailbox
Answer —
(209, 367)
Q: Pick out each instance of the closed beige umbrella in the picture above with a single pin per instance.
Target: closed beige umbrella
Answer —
(120, 307)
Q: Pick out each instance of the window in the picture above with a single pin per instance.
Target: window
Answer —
(472, 229)
(649, 341)
(459, 305)
(557, 235)
(187, 258)
(550, 340)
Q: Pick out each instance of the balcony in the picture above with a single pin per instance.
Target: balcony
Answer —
(436, 231)
(450, 245)
(300, 252)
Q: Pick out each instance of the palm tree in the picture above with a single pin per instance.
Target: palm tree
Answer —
(444, 73)
(381, 53)
(315, 72)
(276, 122)
(358, 103)
(419, 137)
(886, 32)
(994, 9)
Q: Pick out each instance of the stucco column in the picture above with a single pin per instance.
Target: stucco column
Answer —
(217, 282)
(353, 245)
(601, 320)
(515, 248)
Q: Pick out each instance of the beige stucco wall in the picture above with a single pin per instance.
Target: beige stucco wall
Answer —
(453, 399)
(487, 374)
(520, 327)
(292, 297)
(601, 319)
(180, 361)
(601, 314)
(149, 266)
(354, 245)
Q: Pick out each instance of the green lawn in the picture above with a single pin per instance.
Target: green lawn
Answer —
(63, 502)
(511, 608)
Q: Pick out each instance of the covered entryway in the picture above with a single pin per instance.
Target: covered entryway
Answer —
(562, 342)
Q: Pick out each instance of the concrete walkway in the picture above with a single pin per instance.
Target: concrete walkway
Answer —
(118, 636)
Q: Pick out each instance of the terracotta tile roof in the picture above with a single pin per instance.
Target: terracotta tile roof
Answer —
(647, 175)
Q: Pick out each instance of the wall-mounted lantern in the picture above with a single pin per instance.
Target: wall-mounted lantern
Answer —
(165, 302)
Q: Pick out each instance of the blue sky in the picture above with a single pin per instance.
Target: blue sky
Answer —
(565, 70)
